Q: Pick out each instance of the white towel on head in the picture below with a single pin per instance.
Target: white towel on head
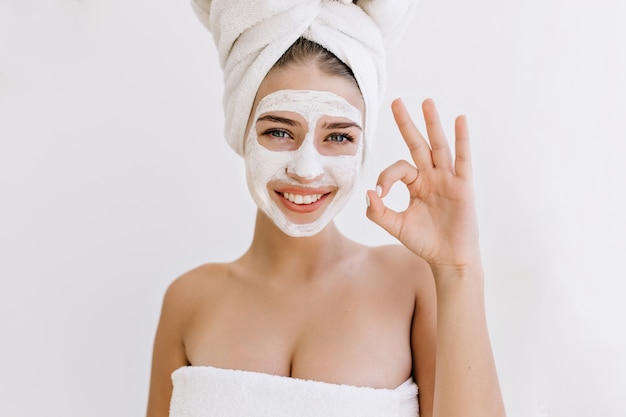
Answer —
(252, 35)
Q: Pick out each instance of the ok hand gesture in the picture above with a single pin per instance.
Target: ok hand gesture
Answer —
(439, 223)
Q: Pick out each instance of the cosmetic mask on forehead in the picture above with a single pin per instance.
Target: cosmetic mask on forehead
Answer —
(336, 172)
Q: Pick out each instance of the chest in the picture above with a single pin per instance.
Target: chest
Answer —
(357, 333)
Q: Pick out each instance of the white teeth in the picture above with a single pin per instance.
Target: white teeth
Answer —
(302, 199)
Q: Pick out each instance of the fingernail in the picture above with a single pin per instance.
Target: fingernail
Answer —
(367, 199)
(379, 190)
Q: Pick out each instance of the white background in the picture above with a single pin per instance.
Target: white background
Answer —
(115, 179)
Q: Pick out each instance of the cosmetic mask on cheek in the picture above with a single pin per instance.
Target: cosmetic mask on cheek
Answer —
(337, 172)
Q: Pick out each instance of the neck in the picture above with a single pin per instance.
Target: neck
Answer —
(279, 255)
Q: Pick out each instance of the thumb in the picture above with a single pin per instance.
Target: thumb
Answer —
(383, 216)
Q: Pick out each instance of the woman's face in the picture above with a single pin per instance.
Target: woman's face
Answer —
(304, 147)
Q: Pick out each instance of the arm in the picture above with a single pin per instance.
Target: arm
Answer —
(440, 226)
(169, 352)
(466, 383)
(424, 338)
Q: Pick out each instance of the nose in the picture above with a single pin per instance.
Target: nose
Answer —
(306, 166)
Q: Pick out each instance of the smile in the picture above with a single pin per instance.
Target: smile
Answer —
(301, 199)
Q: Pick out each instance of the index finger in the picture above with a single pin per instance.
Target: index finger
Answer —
(418, 147)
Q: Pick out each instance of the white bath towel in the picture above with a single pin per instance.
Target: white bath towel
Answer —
(251, 35)
(203, 391)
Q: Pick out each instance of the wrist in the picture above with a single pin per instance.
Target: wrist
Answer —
(453, 275)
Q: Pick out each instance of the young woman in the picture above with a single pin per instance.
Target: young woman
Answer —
(308, 322)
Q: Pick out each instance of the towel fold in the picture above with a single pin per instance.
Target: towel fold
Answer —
(203, 391)
(251, 36)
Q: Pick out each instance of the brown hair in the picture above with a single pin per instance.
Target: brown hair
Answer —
(304, 51)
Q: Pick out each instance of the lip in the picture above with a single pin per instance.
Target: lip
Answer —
(303, 208)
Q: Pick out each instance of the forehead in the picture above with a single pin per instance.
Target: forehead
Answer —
(308, 77)
(309, 103)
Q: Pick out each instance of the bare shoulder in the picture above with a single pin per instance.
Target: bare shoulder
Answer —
(188, 294)
(402, 263)
(196, 284)
(194, 294)
(182, 298)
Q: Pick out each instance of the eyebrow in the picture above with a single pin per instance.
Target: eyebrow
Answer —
(276, 119)
(341, 125)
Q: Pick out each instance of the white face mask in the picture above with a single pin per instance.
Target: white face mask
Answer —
(338, 173)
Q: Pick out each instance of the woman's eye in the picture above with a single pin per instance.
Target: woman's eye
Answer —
(340, 138)
(277, 133)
